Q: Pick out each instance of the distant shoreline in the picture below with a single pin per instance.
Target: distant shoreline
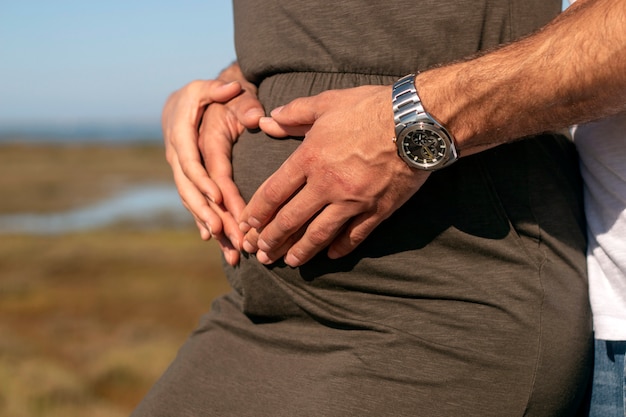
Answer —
(104, 133)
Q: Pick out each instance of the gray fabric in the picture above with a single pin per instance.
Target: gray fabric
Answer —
(470, 300)
(376, 37)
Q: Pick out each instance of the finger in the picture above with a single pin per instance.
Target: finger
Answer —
(353, 235)
(192, 168)
(204, 92)
(210, 227)
(232, 199)
(196, 202)
(296, 213)
(230, 228)
(229, 241)
(188, 158)
(204, 232)
(362, 225)
(268, 258)
(182, 151)
(231, 254)
(293, 119)
(301, 111)
(228, 235)
(277, 130)
(248, 109)
(271, 195)
(250, 241)
(181, 117)
(215, 143)
(318, 235)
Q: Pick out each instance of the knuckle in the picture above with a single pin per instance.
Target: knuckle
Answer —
(170, 155)
(272, 193)
(356, 237)
(285, 222)
(268, 243)
(300, 253)
(185, 166)
(330, 94)
(194, 86)
(358, 234)
(318, 236)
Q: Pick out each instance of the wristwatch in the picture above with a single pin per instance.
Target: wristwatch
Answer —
(422, 142)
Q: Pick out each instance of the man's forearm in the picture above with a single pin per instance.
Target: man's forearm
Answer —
(572, 71)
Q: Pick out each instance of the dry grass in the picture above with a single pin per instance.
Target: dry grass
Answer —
(88, 321)
(40, 178)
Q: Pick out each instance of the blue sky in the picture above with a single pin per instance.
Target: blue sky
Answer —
(105, 61)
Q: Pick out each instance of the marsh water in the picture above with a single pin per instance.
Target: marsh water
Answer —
(146, 206)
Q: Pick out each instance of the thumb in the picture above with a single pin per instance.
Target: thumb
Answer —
(247, 109)
(293, 119)
(298, 112)
(270, 126)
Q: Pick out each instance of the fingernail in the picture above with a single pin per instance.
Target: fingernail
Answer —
(277, 110)
(263, 258)
(244, 227)
(263, 245)
(265, 119)
(208, 227)
(254, 222)
(248, 247)
(228, 257)
(234, 241)
(255, 113)
(210, 197)
(292, 260)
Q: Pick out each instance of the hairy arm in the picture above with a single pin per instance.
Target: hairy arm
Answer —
(572, 71)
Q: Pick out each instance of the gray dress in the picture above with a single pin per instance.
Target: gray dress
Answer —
(470, 300)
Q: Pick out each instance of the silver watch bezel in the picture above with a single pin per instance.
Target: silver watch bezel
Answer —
(409, 117)
(445, 156)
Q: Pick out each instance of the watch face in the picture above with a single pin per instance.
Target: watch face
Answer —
(425, 146)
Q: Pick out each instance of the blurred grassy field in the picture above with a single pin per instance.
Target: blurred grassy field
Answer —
(89, 320)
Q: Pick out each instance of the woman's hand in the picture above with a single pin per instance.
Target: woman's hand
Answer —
(201, 122)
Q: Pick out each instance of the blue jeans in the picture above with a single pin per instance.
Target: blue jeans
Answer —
(608, 392)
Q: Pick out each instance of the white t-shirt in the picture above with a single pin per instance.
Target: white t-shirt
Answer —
(602, 149)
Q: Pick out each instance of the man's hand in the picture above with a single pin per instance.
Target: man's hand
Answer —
(342, 181)
(205, 183)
